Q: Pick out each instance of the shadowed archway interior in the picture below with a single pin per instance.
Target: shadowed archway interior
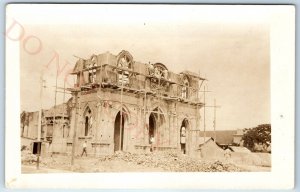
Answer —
(119, 131)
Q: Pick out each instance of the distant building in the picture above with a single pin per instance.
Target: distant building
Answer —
(57, 132)
(51, 133)
(29, 124)
(29, 128)
(237, 137)
(225, 138)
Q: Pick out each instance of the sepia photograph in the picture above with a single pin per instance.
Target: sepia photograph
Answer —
(144, 89)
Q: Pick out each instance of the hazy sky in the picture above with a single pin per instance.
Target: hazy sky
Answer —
(229, 46)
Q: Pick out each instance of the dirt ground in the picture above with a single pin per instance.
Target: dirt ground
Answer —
(148, 162)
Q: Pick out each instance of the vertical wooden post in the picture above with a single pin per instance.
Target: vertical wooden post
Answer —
(39, 122)
(204, 125)
(159, 123)
(98, 122)
(40, 111)
(54, 116)
(75, 127)
(121, 114)
(63, 110)
(215, 108)
(145, 120)
(176, 129)
(169, 129)
(197, 114)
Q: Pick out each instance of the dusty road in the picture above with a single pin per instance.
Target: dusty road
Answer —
(147, 162)
(33, 169)
(58, 164)
(129, 162)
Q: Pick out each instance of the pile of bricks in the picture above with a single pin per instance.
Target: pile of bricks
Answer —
(27, 157)
(172, 161)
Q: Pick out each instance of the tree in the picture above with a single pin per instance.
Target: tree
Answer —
(258, 135)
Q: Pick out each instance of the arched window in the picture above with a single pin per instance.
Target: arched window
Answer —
(88, 121)
(125, 61)
(65, 130)
(86, 126)
(185, 87)
(160, 72)
(90, 74)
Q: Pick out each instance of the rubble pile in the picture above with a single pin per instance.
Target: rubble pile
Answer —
(171, 161)
(218, 166)
(27, 157)
(122, 161)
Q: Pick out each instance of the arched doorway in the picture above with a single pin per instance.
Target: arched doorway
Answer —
(119, 131)
(156, 124)
(183, 136)
(152, 125)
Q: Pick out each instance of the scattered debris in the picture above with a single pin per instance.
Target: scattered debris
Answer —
(149, 162)
(27, 157)
(171, 161)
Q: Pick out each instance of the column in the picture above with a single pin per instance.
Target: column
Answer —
(98, 122)
(146, 129)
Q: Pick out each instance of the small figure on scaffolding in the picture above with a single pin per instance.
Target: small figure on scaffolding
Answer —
(150, 69)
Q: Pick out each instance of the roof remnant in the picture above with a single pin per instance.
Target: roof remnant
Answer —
(203, 140)
(224, 137)
(78, 66)
(240, 149)
(190, 73)
(58, 110)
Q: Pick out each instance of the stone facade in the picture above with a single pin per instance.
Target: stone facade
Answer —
(122, 102)
(29, 124)
(54, 134)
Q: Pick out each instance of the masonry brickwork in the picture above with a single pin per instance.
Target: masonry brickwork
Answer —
(122, 102)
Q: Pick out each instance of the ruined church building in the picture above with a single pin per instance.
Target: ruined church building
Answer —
(122, 103)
